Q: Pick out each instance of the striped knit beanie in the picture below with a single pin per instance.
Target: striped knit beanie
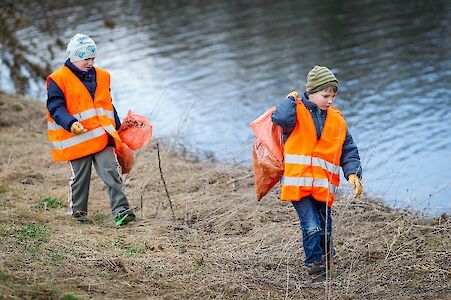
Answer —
(320, 78)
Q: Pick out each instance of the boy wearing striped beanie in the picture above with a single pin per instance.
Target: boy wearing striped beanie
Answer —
(317, 145)
(320, 78)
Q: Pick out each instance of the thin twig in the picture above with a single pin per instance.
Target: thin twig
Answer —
(288, 280)
(156, 210)
(142, 213)
(164, 182)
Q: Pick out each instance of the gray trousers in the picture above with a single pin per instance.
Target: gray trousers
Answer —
(108, 169)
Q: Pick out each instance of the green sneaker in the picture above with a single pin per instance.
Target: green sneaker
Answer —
(123, 218)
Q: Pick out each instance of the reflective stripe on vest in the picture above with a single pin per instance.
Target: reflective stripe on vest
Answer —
(110, 129)
(77, 139)
(84, 115)
(309, 182)
(314, 161)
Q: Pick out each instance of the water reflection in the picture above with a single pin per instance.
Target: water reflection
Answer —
(202, 71)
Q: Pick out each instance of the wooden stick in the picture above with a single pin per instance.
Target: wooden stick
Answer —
(142, 213)
(164, 182)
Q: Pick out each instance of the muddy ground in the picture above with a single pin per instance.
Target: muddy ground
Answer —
(222, 244)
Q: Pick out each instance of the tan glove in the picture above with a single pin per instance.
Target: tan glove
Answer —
(293, 94)
(354, 181)
(77, 128)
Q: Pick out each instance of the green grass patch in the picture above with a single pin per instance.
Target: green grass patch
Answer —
(34, 250)
(29, 231)
(134, 250)
(34, 231)
(3, 277)
(69, 296)
(50, 202)
(3, 189)
(58, 258)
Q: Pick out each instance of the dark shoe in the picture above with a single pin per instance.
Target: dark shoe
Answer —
(316, 269)
(81, 216)
(123, 218)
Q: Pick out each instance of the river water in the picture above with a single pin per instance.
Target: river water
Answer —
(202, 70)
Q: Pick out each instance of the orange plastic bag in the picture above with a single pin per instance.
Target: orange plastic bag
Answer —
(267, 169)
(267, 153)
(125, 157)
(135, 130)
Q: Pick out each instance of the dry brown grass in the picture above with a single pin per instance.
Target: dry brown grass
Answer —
(221, 245)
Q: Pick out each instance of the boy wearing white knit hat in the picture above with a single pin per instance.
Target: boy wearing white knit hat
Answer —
(82, 124)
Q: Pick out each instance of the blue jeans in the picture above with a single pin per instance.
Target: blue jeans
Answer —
(312, 215)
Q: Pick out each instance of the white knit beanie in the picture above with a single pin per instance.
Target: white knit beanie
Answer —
(81, 47)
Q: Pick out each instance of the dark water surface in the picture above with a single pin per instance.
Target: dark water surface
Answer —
(202, 70)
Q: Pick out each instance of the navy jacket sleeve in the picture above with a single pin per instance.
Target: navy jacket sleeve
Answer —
(56, 105)
(285, 116)
(116, 119)
(350, 159)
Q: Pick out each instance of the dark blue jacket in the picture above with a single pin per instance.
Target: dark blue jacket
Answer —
(285, 117)
(56, 103)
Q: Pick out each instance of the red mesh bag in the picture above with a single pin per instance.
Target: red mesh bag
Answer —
(125, 157)
(135, 130)
(267, 153)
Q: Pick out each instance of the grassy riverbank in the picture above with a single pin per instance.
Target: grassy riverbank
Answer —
(221, 244)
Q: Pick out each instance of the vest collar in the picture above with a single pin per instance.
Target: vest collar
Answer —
(83, 75)
(309, 104)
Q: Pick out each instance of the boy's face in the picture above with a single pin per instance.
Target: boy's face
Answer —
(324, 98)
(85, 64)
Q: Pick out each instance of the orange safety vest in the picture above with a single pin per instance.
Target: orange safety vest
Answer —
(96, 115)
(312, 166)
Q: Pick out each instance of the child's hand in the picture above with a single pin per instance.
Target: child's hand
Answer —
(293, 94)
(354, 181)
(77, 128)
